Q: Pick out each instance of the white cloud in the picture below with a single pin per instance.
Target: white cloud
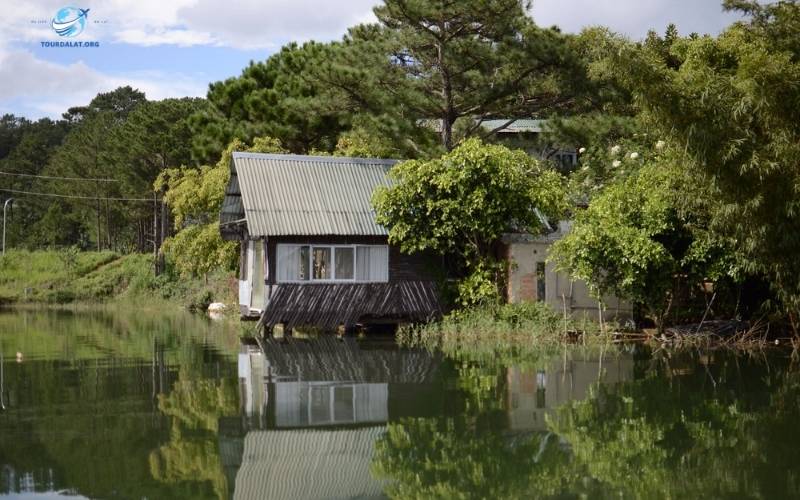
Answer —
(179, 37)
(254, 23)
(48, 89)
(269, 23)
(634, 18)
(243, 24)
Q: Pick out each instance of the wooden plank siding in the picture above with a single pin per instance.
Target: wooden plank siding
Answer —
(329, 305)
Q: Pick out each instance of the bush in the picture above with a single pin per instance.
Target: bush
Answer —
(201, 301)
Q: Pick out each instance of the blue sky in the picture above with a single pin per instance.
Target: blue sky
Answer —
(174, 48)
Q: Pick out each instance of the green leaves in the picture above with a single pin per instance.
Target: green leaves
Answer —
(195, 198)
(731, 102)
(644, 236)
(461, 203)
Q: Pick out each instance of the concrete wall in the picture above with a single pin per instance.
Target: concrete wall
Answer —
(524, 253)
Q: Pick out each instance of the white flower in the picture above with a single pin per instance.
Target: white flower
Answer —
(616, 163)
(634, 156)
(582, 150)
(585, 168)
(660, 145)
(615, 150)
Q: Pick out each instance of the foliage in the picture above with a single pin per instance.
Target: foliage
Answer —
(729, 103)
(119, 136)
(195, 199)
(277, 98)
(461, 60)
(479, 288)
(645, 235)
(361, 143)
(460, 204)
(524, 331)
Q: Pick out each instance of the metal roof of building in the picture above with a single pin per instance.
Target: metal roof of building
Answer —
(281, 194)
(309, 464)
(518, 126)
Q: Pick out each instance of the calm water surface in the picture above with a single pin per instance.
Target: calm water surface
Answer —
(143, 405)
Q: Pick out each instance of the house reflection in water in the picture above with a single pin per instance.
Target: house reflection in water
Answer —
(313, 410)
(532, 394)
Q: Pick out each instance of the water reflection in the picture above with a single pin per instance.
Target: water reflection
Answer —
(104, 404)
(534, 394)
(89, 403)
(363, 418)
(316, 409)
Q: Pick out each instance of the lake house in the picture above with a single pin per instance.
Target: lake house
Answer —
(312, 252)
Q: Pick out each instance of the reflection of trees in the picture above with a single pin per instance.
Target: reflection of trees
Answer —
(448, 458)
(192, 453)
(711, 426)
(471, 455)
(687, 438)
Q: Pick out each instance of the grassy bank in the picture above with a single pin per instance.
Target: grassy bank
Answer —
(68, 277)
(505, 329)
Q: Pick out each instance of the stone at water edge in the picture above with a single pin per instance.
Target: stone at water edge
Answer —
(216, 307)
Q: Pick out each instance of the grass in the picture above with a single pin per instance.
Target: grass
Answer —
(510, 329)
(68, 277)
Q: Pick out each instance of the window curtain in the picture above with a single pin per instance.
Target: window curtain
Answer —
(290, 263)
(372, 263)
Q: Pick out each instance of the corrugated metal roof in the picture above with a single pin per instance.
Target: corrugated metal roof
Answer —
(519, 126)
(304, 195)
(309, 464)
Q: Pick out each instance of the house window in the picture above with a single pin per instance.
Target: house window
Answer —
(326, 263)
(321, 263)
(345, 263)
(540, 282)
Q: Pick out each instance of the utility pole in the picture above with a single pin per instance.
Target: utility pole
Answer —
(5, 209)
(155, 233)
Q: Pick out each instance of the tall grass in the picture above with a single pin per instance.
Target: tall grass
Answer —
(68, 276)
(510, 329)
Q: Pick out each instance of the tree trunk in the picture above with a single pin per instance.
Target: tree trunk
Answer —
(448, 115)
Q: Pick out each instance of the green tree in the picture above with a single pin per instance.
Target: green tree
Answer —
(86, 152)
(730, 103)
(277, 98)
(645, 237)
(453, 60)
(460, 205)
(195, 199)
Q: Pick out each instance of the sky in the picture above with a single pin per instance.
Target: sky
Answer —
(175, 48)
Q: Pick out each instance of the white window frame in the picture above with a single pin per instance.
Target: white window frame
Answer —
(312, 246)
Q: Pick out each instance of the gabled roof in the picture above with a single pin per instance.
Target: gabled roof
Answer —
(309, 464)
(276, 194)
(517, 126)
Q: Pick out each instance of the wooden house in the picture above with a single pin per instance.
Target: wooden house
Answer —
(312, 252)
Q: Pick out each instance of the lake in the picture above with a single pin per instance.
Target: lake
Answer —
(113, 404)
